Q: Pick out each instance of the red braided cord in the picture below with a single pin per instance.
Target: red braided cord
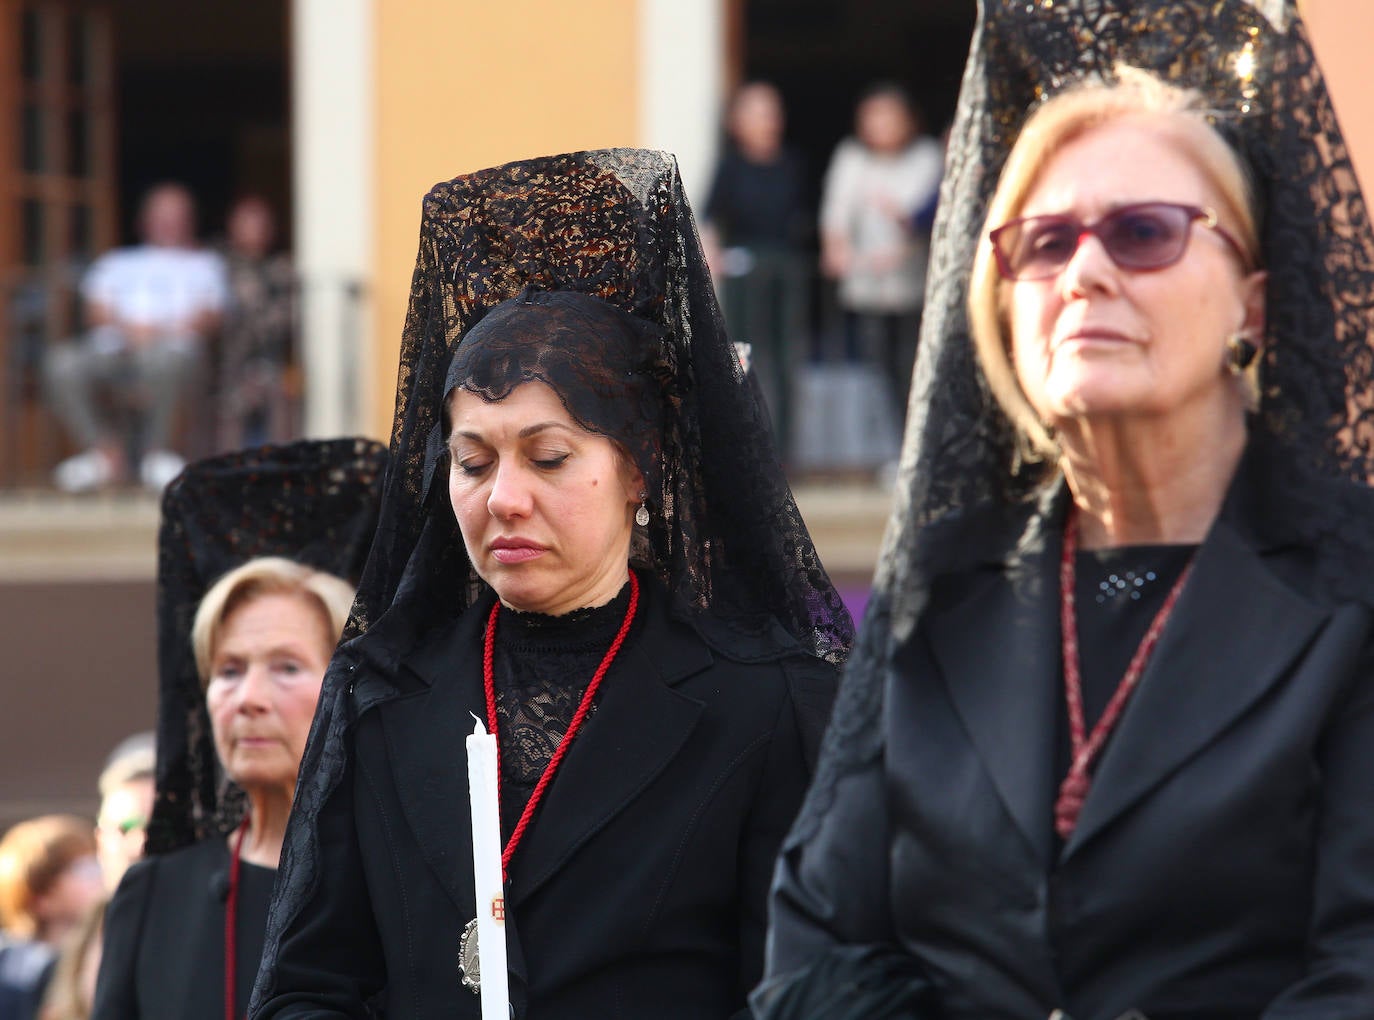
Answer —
(231, 914)
(489, 683)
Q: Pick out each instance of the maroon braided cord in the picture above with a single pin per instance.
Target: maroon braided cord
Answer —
(1073, 791)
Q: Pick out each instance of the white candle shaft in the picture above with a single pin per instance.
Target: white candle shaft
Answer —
(486, 870)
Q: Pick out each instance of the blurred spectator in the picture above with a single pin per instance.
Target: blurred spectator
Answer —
(149, 310)
(49, 880)
(877, 184)
(255, 343)
(49, 877)
(126, 804)
(756, 221)
(24, 972)
(71, 992)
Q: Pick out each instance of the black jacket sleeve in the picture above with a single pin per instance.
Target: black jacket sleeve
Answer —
(329, 961)
(1339, 977)
(791, 755)
(831, 943)
(116, 986)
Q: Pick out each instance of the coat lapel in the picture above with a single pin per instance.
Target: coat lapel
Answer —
(1236, 629)
(640, 724)
(426, 735)
(425, 740)
(998, 651)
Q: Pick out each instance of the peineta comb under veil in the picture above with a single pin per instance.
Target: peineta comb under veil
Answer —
(1254, 62)
(724, 533)
(614, 224)
(311, 501)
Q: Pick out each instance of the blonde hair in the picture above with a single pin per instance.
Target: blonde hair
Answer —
(135, 757)
(33, 856)
(1182, 116)
(267, 575)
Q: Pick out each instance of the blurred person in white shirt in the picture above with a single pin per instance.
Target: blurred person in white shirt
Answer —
(149, 309)
(878, 180)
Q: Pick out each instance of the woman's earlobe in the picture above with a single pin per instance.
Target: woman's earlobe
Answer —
(1256, 286)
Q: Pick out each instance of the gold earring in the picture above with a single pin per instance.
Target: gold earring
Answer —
(1240, 353)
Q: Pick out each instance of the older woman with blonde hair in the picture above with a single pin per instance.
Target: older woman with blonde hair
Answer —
(1137, 113)
(240, 681)
(262, 636)
(1107, 746)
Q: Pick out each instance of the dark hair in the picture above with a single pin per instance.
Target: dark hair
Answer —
(604, 364)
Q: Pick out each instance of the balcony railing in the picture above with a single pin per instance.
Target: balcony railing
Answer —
(43, 308)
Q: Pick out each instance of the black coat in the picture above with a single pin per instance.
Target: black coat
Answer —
(163, 956)
(639, 890)
(1223, 864)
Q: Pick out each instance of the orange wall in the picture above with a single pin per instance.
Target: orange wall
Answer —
(1343, 34)
(466, 84)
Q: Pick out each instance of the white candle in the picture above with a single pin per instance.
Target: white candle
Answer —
(486, 872)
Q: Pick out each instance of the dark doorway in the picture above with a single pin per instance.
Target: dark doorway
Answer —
(202, 98)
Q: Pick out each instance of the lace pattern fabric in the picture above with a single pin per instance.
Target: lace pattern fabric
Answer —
(725, 536)
(614, 224)
(542, 665)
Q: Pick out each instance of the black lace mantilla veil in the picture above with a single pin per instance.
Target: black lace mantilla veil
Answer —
(311, 501)
(724, 529)
(615, 224)
(1253, 60)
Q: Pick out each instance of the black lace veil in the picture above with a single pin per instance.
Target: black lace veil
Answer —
(311, 501)
(613, 224)
(1254, 62)
(725, 532)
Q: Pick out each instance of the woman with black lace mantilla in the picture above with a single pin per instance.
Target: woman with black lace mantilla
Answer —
(254, 550)
(589, 546)
(1106, 748)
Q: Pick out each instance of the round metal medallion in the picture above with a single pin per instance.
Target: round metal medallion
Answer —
(468, 964)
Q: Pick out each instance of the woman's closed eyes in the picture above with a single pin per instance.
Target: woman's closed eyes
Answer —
(474, 466)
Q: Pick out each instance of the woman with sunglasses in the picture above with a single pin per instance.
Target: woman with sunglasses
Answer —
(1124, 758)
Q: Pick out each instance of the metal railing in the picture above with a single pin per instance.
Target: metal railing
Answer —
(42, 308)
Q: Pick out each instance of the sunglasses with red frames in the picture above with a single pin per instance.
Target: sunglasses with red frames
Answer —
(1142, 236)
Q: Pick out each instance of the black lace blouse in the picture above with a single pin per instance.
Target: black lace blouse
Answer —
(541, 667)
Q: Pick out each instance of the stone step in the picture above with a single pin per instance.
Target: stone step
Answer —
(46, 536)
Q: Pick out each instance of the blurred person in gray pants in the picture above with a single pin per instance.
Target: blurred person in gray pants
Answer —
(150, 309)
